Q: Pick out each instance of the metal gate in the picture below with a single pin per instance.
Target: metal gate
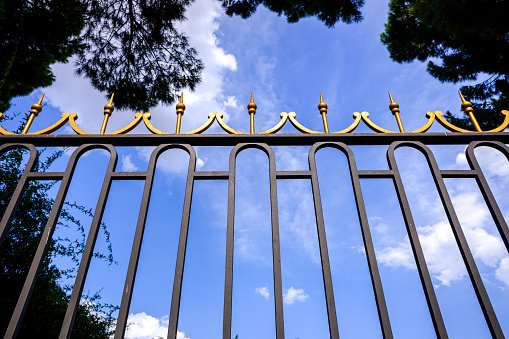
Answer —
(263, 141)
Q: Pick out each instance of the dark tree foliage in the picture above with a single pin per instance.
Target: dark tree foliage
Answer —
(33, 35)
(471, 39)
(134, 50)
(49, 300)
(328, 11)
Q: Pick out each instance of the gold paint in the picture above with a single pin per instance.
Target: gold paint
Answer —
(108, 109)
(205, 126)
(224, 126)
(353, 126)
(2, 130)
(72, 120)
(374, 127)
(275, 129)
(298, 126)
(441, 120)
(322, 107)
(36, 109)
(137, 119)
(54, 127)
(180, 112)
(431, 118)
(394, 107)
(504, 123)
(466, 106)
(199, 130)
(251, 108)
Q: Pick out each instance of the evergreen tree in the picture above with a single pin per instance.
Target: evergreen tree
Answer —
(328, 11)
(33, 36)
(48, 304)
(471, 39)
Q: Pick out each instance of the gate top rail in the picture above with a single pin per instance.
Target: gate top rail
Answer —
(466, 106)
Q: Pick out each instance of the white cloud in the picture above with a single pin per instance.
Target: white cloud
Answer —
(395, 256)
(292, 295)
(439, 245)
(502, 272)
(73, 94)
(127, 164)
(144, 326)
(263, 291)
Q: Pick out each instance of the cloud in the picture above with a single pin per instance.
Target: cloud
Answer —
(439, 245)
(144, 326)
(292, 295)
(263, 291)
(502, 272)
(73, 94)
(127, 164)
(395, 256)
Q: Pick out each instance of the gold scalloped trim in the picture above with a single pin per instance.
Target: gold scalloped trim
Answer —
(2, 131)
(431, 119)
(374, 127)
(298, 126)
(54, 127)
(275, 129)
(441, 120)
(72, 120)
(137, 119)
(205, 126)
(224, 126)
(504, 123)
(151, 128)
(357, 116)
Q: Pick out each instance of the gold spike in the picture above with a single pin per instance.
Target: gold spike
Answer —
(251, 108)
(108, 109)
(180, 112)
(322, 107)
(394, 107)
(466, 106)
(34, 111)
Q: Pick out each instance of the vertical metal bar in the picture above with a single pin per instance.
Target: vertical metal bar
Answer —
(135, 252)
(485, 188)
(10, 211)
(42, 249)
(473, 272)
(181, 252)
(383, 314)
(324, 253)
(276, 251)
(228, 279)
(88, 252)
(422, 268)
(137, 242)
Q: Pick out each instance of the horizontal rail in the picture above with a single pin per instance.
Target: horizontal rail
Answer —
(269, 139)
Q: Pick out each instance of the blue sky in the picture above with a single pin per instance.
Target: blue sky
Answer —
(287, 66)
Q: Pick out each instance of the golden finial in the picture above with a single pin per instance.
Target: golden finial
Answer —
(466, 106)
(394, 107)
(180, 112)
(251, 108)
(108, 109)
(322, 107)
(34, 111)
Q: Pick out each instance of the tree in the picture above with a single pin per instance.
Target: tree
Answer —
(134, 50)
(129, 47)
(327, 11)
(471, 39)
(49, 300)
(35, 35)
